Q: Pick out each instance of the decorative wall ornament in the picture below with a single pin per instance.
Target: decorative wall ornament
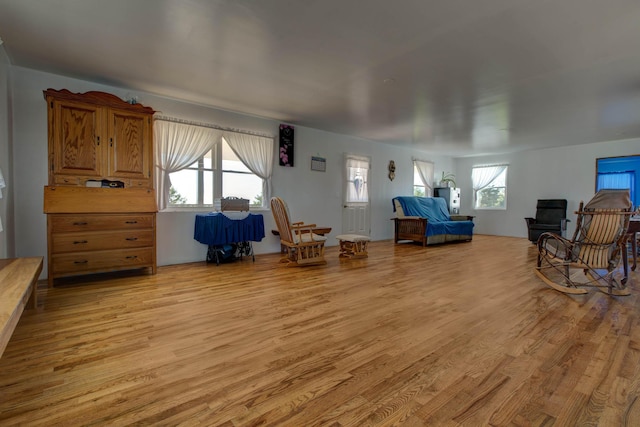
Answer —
(286, 145)
(392, 170)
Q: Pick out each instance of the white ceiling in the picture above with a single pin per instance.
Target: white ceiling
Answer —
(455, 77)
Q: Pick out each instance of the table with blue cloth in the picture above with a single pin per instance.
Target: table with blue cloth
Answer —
(228, 235)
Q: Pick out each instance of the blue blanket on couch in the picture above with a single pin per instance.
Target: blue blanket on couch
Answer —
(437, 214)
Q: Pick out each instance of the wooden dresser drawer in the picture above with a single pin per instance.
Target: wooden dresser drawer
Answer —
(87, 262)
(97, 240)
(67, 180)
(140, 183)
(97, 222)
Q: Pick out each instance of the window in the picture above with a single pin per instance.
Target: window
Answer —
(422, 178)
(490, 187)
(357, 170)
(619, 173)
(617, 181)
(218, 173)
(193, 185)
(238, 180)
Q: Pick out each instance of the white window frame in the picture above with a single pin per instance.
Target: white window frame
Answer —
(480, 186)
(428, 185)
(216, 185)
(200, 179)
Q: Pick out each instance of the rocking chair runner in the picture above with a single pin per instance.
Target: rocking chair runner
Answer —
(303, 247)
(596, 247)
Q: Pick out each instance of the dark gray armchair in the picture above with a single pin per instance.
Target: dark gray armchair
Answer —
(551, 215)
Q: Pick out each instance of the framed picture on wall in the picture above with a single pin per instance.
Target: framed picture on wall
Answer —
(285, 152)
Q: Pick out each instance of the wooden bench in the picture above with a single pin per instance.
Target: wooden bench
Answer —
(18, 277)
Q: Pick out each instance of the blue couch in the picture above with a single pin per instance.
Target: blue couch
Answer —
(427, 220)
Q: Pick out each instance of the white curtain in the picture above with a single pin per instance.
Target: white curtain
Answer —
(178, 145)
(483, 176)
(425, 172)
(256, 153)
(357, 173)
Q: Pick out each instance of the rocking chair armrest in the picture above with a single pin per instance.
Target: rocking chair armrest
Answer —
(301, 227)
(566, 244)
(530, 220)
(302, 224)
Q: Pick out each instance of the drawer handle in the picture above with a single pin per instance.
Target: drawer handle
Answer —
(131, 239)
(79, 242)
(132, 257)
(84, 261)
(80, 223)
(131, 222)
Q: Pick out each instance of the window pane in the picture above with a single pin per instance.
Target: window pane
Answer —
(418, 190)
(491, 197)
(246, 186)
(207, 193)
(357, 189)
(185, 187)
(490, 183)
(417, 181)
(208, 160)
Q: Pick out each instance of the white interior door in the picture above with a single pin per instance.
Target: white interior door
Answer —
(356, 207)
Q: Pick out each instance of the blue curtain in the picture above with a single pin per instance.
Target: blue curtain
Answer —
(617, 181)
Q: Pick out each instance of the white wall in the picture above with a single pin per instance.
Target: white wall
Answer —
(312, 196)
(554, 173)
(5, 154)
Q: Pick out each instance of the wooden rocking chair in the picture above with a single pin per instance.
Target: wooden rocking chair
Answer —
(302, 246)
(596, 248)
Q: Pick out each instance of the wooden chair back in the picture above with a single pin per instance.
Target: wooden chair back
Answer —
(281, 216)
(602, 227)
(601, 236)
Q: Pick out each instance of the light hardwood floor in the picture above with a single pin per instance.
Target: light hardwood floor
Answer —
(460, 334)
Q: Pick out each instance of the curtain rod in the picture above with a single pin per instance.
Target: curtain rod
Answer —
(490, 165)
(211, 126)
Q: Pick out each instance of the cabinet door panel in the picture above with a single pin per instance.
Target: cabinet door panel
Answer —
(129, 145)
(76, 145)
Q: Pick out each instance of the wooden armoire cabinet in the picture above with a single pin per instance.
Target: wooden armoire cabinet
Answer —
(98, 140)
(95, 136)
